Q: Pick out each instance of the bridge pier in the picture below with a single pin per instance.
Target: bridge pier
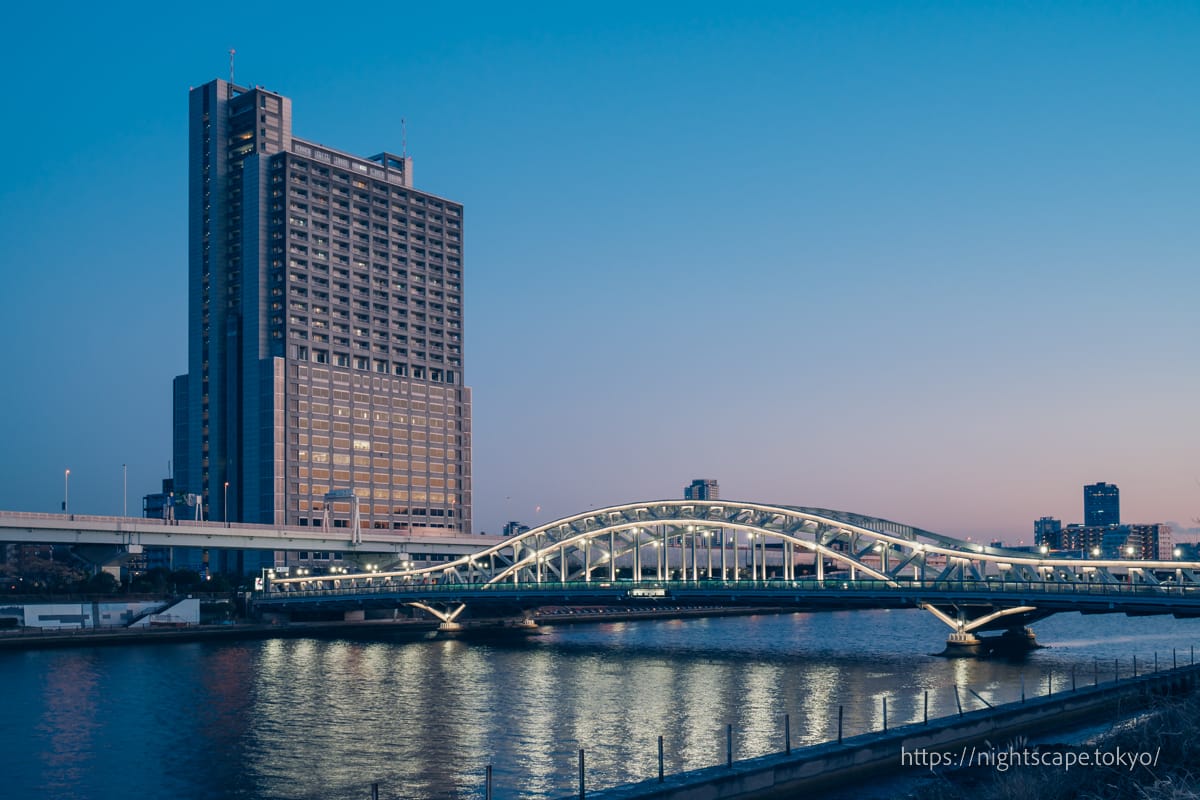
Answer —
(1013, 642)
(963, 645)
(491, 628)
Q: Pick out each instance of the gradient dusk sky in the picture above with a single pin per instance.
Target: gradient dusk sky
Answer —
(931, 261)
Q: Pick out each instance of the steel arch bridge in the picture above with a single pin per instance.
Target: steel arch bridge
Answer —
(735, 553)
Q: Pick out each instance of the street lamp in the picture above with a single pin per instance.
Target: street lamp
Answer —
(226, 515)
(67, 491)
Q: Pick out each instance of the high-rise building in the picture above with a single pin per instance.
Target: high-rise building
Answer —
(1101, 504)
(1048, 531)
(325, 346)
(702, 489)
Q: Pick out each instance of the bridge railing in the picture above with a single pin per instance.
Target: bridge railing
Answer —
(640, 589)
(72, 517)
(40, 515)
(187, 521)
(415, 531)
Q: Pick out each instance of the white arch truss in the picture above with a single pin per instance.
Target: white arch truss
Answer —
(724, 540)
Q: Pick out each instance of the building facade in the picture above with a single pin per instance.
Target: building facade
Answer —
(1150, 542)
(1048, 531)
(1101, 504)
(702, 489)
(325, 347)
(514, 528)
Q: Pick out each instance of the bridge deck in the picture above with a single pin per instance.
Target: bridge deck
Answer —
(1181, 600)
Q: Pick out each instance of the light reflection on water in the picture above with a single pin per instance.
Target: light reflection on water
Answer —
(324, 718)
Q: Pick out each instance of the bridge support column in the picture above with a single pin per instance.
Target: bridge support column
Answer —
(962, 644)
(491, 628)
(1014, 641)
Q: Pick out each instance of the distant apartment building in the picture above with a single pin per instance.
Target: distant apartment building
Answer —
(1152, 542)
(514, 528)
(159, 505)
(1189, 551)
(1101, 504)
(1048, 531)
(702, 489)
(325, 346)
(1102, 535)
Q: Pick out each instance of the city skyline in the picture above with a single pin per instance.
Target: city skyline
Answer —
(929, 265)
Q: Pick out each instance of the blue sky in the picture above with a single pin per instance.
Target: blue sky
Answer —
(930, 261)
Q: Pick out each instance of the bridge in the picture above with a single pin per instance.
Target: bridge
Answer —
(731, 553)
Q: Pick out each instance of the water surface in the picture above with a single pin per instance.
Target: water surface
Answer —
(308, 718)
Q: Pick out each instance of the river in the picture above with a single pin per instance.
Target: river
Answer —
(325, 718)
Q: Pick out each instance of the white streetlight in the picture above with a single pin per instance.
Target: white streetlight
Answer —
(226, 515)
(67, 491)
(125, 488)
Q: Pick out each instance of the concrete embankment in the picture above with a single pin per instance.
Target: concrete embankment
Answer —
(818, 767)
(204, 633)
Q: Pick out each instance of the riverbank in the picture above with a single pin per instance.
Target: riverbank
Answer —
(391, 629)
(1162, 745)
(985, 747)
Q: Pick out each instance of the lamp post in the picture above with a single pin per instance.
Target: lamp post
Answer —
(226, 515)
(67, 491)
(125, 490)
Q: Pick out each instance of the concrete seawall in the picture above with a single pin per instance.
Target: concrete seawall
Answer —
(825, 765)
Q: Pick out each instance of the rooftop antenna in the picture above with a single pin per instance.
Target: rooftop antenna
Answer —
(232, 53)
(403, 138)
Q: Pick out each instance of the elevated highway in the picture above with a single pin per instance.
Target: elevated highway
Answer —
(134, 533)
